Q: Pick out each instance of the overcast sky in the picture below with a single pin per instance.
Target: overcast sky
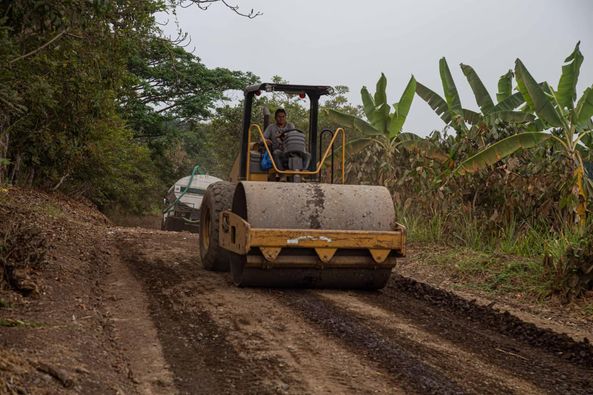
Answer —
(344, 42)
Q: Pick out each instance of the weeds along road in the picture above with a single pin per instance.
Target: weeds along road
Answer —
(408, 338)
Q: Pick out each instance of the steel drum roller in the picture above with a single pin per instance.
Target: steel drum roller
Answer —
(313, 206)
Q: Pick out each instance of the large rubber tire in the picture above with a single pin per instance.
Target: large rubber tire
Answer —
(218, 198)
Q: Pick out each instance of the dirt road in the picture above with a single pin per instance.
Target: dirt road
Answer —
(121, 310)
(191, 331)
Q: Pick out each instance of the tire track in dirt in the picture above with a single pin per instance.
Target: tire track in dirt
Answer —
(477, 375)
(221, 339)
(409, 338)
(426, 369)
(133, 329)
(262, 329)
(197, 351)
(579, 353)
(552, 362)
(398, 361)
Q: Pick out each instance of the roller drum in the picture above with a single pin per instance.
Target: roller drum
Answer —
(313, 206)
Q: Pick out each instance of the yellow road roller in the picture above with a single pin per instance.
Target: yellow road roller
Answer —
(291, 225)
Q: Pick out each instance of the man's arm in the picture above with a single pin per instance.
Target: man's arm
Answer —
(269, 133)
(268, 136)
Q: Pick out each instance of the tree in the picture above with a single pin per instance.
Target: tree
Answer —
(96, 102)
(382, 135)
(168, 92)
(64, 63)
(381, 121)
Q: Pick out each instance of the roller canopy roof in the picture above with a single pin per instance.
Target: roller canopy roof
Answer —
(317, 90)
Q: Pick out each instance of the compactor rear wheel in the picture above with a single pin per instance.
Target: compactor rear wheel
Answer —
(218, 198)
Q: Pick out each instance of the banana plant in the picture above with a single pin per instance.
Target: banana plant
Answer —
(381, 121)
(507, 102)
(564, 120)
(450, 110)
(383, 125)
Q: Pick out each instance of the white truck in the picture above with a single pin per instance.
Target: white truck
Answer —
(182, 203)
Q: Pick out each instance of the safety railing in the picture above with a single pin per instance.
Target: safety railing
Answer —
(339, 131)
(321, 141)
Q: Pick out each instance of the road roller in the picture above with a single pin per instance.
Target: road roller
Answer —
(297, 224)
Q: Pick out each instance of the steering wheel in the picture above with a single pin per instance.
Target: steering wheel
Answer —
(281, 135)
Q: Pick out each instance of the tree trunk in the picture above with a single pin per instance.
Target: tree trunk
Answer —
(15, 167)
(4, 140)
(581, 196)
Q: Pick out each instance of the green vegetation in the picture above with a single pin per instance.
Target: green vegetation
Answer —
(570, 126)
(487, 192)
(493, 273)
(220, 137)
(376, 143)
(97, 103)
(381, 136)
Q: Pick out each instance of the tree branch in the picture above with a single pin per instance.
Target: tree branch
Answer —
(59, 184)
(205, 4)
(38, 49)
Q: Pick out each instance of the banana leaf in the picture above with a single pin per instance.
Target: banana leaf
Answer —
(541, 104)
(500, 150)
(436, 102)
(510, 102)
(451, 94)
(382, 112)
(510, 117)
(368, 103)
(584, 126)
(588, 169)
(357, 145)
(472, 117)
(402, 108)
(567, 85)
(536, 126)
(481, 94)
(584, 110)
(381, 92)
(350, 121)
(529, 106)
(505, 87)
(405, 136)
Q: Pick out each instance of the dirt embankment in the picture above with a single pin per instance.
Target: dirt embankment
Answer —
(60, 332)
(129, 310)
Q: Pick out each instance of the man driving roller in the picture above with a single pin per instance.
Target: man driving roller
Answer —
(274, 131)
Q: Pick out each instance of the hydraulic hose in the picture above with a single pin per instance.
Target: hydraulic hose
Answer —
(191, 178)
